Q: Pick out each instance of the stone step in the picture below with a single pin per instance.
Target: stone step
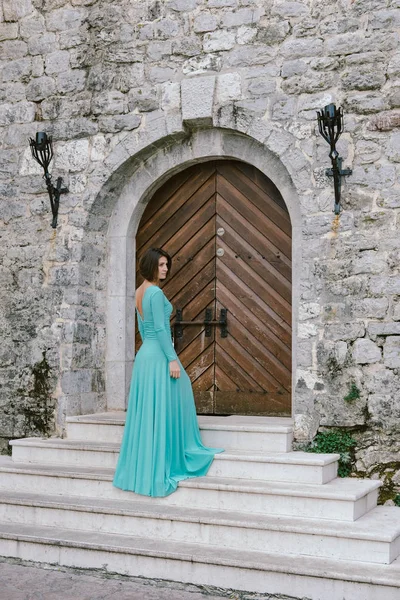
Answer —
(341, 499)
(286, 466)
(313, 577)
(259, 434)
(374, 538)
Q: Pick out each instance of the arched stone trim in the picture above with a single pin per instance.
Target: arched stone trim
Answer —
(148, 171)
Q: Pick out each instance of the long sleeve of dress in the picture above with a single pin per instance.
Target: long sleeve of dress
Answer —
(163, 335)
(140, 327)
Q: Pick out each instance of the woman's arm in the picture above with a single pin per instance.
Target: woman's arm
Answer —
(163, 336)
(140, 327)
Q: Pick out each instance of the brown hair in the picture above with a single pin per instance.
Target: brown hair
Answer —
(148, 266)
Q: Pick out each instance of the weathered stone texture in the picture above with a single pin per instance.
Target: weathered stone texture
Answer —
(102, 76)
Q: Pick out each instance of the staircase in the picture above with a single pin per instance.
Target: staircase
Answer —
(264, 519)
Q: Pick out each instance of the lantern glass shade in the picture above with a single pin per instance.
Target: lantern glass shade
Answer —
(41, 140)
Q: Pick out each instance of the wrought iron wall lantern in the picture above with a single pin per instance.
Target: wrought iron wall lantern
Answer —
(330, 124)
(42, 152)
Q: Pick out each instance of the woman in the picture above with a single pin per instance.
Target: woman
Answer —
(161, 443)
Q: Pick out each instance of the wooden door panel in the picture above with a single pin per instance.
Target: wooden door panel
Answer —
(268, 251)
(251, 213)
(171, 203)
(160, 229)
(259, 198)
(244, 268)
(254, 260)
(254, 303)
(237, 373)
(257, 328)
(237, 268)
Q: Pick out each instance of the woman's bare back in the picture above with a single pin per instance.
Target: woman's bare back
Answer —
(139, 296)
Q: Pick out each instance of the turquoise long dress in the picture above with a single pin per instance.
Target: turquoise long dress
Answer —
(161, 444)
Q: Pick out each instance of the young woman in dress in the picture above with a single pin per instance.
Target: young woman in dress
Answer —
(161, 443)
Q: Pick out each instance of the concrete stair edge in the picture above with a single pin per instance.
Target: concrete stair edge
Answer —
(220, 517)
(335, 489)
(315, 567)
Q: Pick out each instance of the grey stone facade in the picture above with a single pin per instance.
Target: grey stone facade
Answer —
(130, 89)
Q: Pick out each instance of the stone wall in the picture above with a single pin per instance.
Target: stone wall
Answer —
(102, 77)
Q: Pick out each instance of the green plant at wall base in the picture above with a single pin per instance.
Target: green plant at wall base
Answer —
(335, 442)
(354, 393)
(396, 500)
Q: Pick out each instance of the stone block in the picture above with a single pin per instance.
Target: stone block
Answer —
(365, 103)
(20, 112)
(308, 83)
(366, 352)
(56, 62)
(157, 50)
(304, 354)
(205, 22)
(197, 100)
(368, 151)
(261, 86)
(129, 77)
(383, 329)
(42, 44)
(15, 70)
(384, 284)
(202, 64)
(384, 409)
(72, 155)
(309, 310)
(346, 43)
(293, 67)
(161, 74)
(228, 88)
(305, 427)
(391, 352)
(363, 78)
(221, 3)
(246, 34)
(65, 19)
(32, 26)
(109, 103)
(344, 331)
(72, 128)
(182, 5)
(190, 46)
(8, 31)
(40, 88)
(374, 176)
(369, 261)
(15, 10)
(13, 50)
(125, 122)
(290, 9)
(370, 307)
(171, 96)
(218, 40)
(166, 29)
(273, 33)
(299, 48)
(242, 16)
(249, 56)
(76, 382)
(123, 53)
(37, 66)
(71, 81)
(73, 38)
(393, 148)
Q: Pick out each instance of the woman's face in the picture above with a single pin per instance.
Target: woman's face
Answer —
(162, 268)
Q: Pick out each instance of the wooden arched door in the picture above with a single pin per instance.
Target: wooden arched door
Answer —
(228, 231)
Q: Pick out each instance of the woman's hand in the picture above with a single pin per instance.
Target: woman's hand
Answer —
(174, 369)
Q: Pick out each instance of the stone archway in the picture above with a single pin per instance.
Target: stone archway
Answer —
(150, 170)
